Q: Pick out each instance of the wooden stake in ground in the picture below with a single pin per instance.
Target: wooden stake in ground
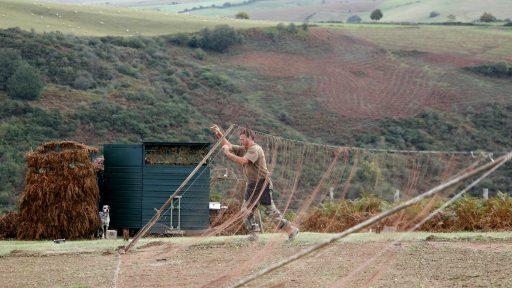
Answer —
(375, 219)
(157, 215)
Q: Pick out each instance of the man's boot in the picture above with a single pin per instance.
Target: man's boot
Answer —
(253, 234)
(291, 230)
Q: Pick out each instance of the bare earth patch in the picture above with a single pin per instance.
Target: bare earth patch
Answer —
(57, 270)
(192, 263)
(411, 264)
(358, 79)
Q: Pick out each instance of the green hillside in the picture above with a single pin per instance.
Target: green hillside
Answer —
(329, 10)
(382, 86)
(276, 10)
(95, 20)
(286, 81)
(463, 10)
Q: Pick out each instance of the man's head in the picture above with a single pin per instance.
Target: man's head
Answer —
(247, 137)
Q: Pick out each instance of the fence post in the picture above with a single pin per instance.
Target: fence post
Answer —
(486, 194)
(331, 194)
(396, 197)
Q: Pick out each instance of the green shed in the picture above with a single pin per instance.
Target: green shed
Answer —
(139, 178)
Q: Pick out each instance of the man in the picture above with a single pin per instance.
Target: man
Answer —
(259, 187)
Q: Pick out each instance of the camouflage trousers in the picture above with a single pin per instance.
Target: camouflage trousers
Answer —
(271, 210)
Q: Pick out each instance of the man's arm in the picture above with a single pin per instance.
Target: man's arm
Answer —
(219, 134)
(233, 157)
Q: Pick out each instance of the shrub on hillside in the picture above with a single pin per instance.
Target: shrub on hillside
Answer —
(199, 54)
(354, 19)
(83, 81)
(10, 59)
(242, 15)
(181, 39)
(498, 70)
(281, 27)
(101, 71)
(291, 28)
(61, 74)
(219, 38)
(487, 17)
(127, 70)
(132, 42)
(376, 15)
(216, 80)
(434, 14)
(195, 41)
(25, 83)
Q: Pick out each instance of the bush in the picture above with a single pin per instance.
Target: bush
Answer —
(451, 18)
(100, 70)
(376, 15)
(9, 60)
(199, 54)
(216, 80)
(220, 38)
(242, 15)
(83, 81)
(292, 28)
(195, 41)
(434, 14)
(132, 42)
(127, 70)
(281, 27)
(61, 74)
(25, 83)
(181, 39)
(487, 17)
(498, 70)
(354, 19)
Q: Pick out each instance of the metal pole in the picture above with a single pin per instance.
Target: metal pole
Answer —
(172, 211)
(157, 215)
(374, 219)
(179, 212)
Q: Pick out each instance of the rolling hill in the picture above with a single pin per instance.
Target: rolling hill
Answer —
(381, 86)
(94, 20)
(331, 10)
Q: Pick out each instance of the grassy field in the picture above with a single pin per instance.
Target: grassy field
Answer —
(328, 10)
(463, 10)
(485, 42)
(82, 20)
(324, 10)
(306, 238)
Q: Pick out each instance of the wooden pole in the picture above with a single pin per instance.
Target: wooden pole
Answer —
(157, 215)
(374, 219)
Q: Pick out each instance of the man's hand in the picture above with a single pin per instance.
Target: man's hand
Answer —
(215, 129)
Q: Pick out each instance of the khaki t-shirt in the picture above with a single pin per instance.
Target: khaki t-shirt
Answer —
(256, 169)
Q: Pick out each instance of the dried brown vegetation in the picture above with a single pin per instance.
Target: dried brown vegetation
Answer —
(61, 193)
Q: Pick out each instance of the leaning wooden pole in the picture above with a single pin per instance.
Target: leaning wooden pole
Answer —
(157, 215)
(375, 219)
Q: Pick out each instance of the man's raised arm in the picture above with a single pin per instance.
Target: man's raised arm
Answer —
(219, 134)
